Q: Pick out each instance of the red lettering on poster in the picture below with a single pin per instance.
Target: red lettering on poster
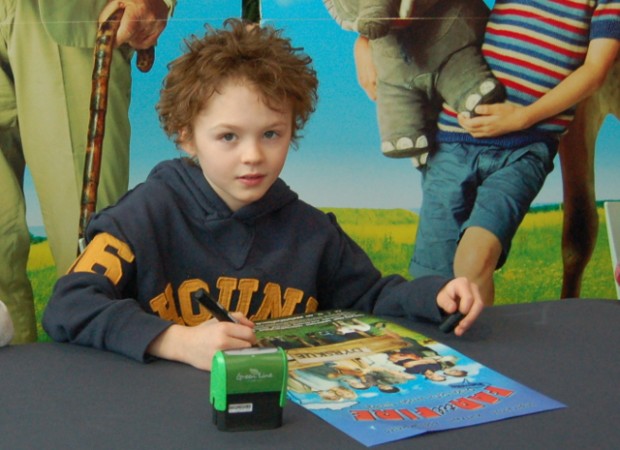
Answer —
(499, 391)
(465, 403)
(427, 413)
(485, 398)
(408, 414)
(388, 414)
(362, 415)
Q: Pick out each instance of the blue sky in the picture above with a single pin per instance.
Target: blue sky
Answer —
(338, 162)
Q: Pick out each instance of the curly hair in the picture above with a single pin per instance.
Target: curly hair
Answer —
(247, 53)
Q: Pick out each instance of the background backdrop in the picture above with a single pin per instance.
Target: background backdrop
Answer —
(338, 165)
(338, 162)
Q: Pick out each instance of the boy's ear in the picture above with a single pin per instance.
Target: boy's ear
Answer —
(185, 142)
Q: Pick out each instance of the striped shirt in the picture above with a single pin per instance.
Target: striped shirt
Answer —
(531, 46)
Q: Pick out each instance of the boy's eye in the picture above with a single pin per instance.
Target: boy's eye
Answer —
(228, 137)
(271, 134)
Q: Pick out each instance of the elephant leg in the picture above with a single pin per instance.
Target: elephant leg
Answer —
(406, 121)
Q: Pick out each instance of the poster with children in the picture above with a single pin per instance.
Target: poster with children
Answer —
(379, 382)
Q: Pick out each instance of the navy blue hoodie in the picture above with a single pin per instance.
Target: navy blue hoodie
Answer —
(173, 235)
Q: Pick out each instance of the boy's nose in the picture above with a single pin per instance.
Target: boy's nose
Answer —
(252, 152)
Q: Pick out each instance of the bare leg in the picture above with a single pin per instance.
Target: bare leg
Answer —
(476, 258)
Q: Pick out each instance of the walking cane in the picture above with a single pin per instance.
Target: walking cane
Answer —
(251, 10)
(104, 47)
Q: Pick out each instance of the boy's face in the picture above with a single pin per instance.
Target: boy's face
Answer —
(241, 144)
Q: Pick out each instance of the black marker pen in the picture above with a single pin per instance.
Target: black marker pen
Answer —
(214, 307)
(451, 322)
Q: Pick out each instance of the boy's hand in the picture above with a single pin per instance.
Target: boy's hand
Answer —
(197, 345)
(462, 295)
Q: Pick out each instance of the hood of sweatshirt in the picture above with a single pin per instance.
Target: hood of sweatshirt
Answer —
(178, 189)
(232, 233)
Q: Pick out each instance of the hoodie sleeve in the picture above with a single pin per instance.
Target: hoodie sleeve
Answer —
(89, 305)
(353, 282)
(104, 299)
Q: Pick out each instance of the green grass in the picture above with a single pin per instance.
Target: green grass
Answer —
(385, 234)
(533, 271)
(42, 283)
(42, 274)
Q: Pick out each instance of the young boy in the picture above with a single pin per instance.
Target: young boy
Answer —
(487, 170)
(222, 220)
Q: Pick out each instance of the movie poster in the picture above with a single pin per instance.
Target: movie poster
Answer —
(339, 164)
(379, 382)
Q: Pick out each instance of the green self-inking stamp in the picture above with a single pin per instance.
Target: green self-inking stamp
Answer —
(248, 388)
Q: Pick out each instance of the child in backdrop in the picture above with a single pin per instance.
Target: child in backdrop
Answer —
(422, 53)
(6, 325)
(223, 220)
(488, 169)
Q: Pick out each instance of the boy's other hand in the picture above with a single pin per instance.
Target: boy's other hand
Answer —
(462, 295)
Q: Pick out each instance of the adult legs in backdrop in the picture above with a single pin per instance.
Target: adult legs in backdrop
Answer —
(44, 112)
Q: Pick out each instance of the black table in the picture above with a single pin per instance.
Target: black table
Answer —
(56, 396)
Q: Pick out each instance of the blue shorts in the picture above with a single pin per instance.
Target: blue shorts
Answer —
(468, 185)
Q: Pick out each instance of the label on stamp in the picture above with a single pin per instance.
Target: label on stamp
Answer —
(238, 408)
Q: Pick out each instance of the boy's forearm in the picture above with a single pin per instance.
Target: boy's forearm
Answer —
(168, 344)
(413, 299)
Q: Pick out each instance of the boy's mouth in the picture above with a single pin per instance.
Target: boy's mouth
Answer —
(251, 179)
